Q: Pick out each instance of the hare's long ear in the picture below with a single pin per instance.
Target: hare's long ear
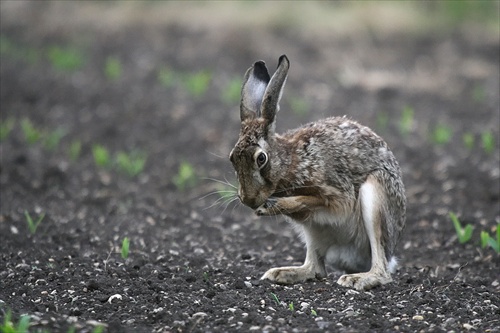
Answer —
(252, 92)
(272, 96)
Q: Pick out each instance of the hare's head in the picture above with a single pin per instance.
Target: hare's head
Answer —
(253, 158)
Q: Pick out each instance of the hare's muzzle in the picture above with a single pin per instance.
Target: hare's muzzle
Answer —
(253, 203)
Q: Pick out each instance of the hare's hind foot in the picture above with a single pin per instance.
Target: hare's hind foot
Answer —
(291, 275)
(364, 281)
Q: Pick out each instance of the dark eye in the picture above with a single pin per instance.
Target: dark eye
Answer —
(261, 159)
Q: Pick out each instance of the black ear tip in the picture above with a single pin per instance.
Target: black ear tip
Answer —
(260, 71)
(283, 58)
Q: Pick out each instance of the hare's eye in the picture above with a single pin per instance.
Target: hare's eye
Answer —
(261, 159)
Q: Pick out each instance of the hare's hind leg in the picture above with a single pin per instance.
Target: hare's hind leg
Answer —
(372, 199)
(313, 267)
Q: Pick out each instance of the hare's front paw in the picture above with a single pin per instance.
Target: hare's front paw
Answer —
(363, 281)
(288, 275)
(268, 208)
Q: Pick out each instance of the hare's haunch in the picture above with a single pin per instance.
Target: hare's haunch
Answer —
(335, 179)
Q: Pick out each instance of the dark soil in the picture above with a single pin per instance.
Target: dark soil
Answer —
(194, 264)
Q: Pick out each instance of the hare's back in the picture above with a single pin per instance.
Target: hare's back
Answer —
(343, 146)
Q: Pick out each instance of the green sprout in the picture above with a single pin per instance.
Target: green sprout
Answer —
(468, 139)
(186, 176)
(206, 277)
(52, 139)
(166, 77)
(299, 105)
(275, 298)
(74, 150)
(113, 68)
(291, 307)
(407, 120)
(65, 59)
(125, 247)
(9, 327)
(5, 128)
(314, 313)
(442, 134)
(488, 142)
(487, 240)
(98, 329)
(464, 234)
(232, 91)
(101, 156)
(32, 225)
(31, 134)
(132, 164)
(495, 244)
(197, 83)
(485, 236)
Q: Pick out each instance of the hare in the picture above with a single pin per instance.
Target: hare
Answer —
(336, 180)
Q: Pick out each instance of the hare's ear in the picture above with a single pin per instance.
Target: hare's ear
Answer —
(252, 92)
(272, 96)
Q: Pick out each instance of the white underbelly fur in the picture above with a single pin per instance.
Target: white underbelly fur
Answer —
(343, 239)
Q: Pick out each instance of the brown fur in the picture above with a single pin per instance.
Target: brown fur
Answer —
(314, 175)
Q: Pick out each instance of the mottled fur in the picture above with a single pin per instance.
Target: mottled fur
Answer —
(335, 179)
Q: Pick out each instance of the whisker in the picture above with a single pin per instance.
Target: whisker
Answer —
(217, 202)
(220, 192)
(226, 182)
(228, 203)
(214, 154)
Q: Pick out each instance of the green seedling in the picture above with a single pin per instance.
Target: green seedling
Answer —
(74, 150)
(197, 84)
(98, 329)
(488, 142)
(206, 277)
(314, 313)
(495, 244)
(186, 177)
(65, 59)
(31, 134)
(487, 240)
(132, 164)
(291, 307)
(485, 236)
(406, 121)
(52, 139)
(468, 139)
(166, 77)
(382, 120)
(9, 327)
(5, 128)
(299, 105)
(275, 298)
(101, 156)
(32, 225)
(113, 68)
(125, 247)
(464, 234)
(232, 91)
(442, 134)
